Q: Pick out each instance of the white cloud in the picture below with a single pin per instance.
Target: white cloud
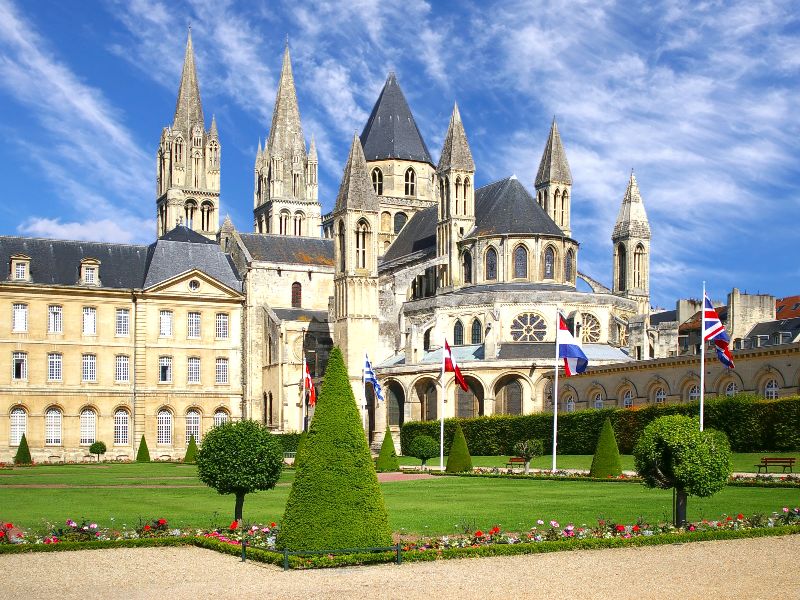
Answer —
(127, 230)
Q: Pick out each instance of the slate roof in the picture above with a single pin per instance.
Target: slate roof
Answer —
(301, 314)
(772, 328)
(356, 191)
(664, 317)
(418, 235)
(523, 350)
(292, 250)
(554, 165)
(391, 131)
(455, 150)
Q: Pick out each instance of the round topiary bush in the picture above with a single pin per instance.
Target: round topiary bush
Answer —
(606, 461)
(143, 454)
(459, 459)
(23, 455)
(387, 459)
(335, 500)
(423, 447)
(97, 448)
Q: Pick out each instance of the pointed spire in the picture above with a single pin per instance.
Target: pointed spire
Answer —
(554, 166)
(259, 152)
(286, 133)
(632, 218)
(356, 191)
(189, 108)
(213, 132)
(312, 151)
(455, 151)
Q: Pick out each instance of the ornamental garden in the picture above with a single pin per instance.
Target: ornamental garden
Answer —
(626, 478)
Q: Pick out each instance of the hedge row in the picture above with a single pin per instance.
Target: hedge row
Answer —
(289, 441)
(751, 423)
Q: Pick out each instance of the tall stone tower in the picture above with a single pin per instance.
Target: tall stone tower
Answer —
(355, 223)
(285, 198)
(554, 181)
(188, 162)
(456, 176)
(631, 239)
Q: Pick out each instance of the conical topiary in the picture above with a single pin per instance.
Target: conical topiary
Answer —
(191, 451)
(143, 455)
(606, 461)
(387, 459)
(335, 500)
(23, 455)
(459, 459)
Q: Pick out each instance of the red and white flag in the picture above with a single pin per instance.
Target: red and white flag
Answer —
(449, 366)
(308, 385)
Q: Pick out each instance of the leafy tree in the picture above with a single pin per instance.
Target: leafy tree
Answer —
(97, 448)
(143, 455)
(335, 500)
(529, 449)
(674, 453)
(23, 455)
(240, 458)
(387, 459)
(423, 447)
(459, 459)
(191, 451)
(606, 461)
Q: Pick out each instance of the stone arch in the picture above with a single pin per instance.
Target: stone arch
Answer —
(687, 383)
(655, 382)
(520, 262)
(626, 384)
(509, 394)
(426, 391)
(490, 264)
(470, 403)
(724, 378)
(395, 395)
(466, 266)
(549, 262)
(386, 221)
(764, 375)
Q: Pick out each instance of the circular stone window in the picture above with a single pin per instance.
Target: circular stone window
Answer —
(194, 285)
(528, 327)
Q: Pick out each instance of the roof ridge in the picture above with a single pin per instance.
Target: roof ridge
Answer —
(71, 241)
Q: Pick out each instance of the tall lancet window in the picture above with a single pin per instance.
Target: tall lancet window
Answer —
(197, 162)
(411, 182)
(520, 263)
(549, 263)
(638, 266)
(564, 200)
(362, 238)
(341, 244)
(491, 264)
(568, 266)
(213, 154)
(458, 191)
(467, 267)
(377, 181)
(466, 194)
(178, 150)
(622, 268)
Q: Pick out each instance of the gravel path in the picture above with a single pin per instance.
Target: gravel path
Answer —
(757, 568)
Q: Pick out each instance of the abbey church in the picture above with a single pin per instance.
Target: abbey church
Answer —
(120, 342)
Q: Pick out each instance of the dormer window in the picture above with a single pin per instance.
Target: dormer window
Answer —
(20, 267)
(90, 271)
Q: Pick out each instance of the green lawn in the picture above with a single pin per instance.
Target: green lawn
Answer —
(436, 506)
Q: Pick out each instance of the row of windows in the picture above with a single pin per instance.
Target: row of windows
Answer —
(89, 272)
(53, 419)
(410, 180)
(520, 264)
(55, 360)
(55, 321)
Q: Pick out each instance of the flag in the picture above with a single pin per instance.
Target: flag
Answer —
(308, 385)
(575, 360)
(370, 377)
(715, 330)
(449, 366)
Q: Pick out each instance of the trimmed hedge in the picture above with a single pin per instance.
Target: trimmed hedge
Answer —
(289, 441)
(143, 454)
(606, 461)
(751, 423)
(23, 455)
(387, 459)
(459, 459)
(191, 452)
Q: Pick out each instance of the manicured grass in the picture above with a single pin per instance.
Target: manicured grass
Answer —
(437, 506)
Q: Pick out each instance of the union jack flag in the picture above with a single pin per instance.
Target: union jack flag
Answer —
(715, 330)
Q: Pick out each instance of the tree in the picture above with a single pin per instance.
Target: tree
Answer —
(423, 447)
(191, 451)
(529, 449)
(143, 455)
(23, 455)
(387, 459)
(459, 459)
(97, 448)
(606, 461)
(674, 453)
(335, 500)
(240, 458)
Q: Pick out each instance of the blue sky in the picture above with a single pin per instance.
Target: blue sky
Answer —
(700, 98)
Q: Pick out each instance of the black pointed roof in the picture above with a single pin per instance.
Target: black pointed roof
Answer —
(391, 131)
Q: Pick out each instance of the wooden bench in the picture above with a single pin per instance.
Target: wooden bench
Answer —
(767, 462)
(515, 461)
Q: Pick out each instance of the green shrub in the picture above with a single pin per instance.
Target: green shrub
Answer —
(289, 441)
(387, 459)
(240, 458)
(97, 448)
(23, 455)
(300, 441)
(459, 459)
(424, 447)
(191, 451)
(606, 461)
(143, 455)
(335, 500)
(529, 449)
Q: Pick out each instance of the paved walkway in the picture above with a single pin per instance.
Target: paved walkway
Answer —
(751, 569)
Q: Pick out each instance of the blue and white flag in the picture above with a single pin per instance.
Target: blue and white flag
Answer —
(370, 377)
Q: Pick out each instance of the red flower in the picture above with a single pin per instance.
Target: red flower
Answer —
(162, 521)
(272, 524)
(635, 528)
(479, 533)
(620, 528)
(740, 516)
(146, 527)
(8, 526)
(234, 525)
(494, 530)
(2, 534)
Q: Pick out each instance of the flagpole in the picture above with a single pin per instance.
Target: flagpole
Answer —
(303, 396)
(441, 419)
(364, 408)
(702, 354)
(555, 395)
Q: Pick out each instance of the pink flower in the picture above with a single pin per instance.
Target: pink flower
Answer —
(691, 528)
(786, 509)
(540, 522)
(554, 524)
(93, 526)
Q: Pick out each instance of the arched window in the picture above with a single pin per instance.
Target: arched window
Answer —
(556, 205)
(341, 244)
(467, 266)
(638, 266)
(179, 150)
(520, 263)
(564, 205)
(730, 389)
(19, 425)
(283, 222)
(568, 267)
(411, 182)
(362, 233)
(442, 197)
(570, 402)
(190, 211)
(694, 393)
(121, 427)
(458, 191)
(193, 425)
(299, 221)
(377, 181)
(627, 399)
(220, 417)
(395, 400)
(549, 263)
(661, 396)
(164, 427)
(426, 339)
(400, 220)
(386, 221)
(213, 154)
(598, 400)
(428, 398)
(491, 264)
(88, 426)
(466, 193)
(470, 403)
(207, 216)
(458, 334)
(546, 202)
(622, 266)
(509, 398)
(52, 427)
(477, 332)
(297, 295)
(771, 389)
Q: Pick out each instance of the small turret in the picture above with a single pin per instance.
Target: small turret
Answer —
(554, 181)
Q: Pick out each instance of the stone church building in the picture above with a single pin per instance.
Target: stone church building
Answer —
(115, 342)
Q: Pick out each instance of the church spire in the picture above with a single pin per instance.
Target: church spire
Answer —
(286, 131)
(189, 108)
(312, 151)
(455, 151)
(632, 218)
(356, 191)
(554, 166)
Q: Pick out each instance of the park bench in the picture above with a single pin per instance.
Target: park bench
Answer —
(287, 456)
(767, 462)
(515, 461)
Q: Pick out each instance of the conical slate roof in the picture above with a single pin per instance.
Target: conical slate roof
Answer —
(356, 191)
(391, 131)
(553, 166)
(505, 207)
(455, 151)
(632, 218)
(189, 108)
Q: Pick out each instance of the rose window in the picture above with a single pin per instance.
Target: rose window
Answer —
(590, 332)
(528, 327)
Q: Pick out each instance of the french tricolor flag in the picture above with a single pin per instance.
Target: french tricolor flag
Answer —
(575, 360)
